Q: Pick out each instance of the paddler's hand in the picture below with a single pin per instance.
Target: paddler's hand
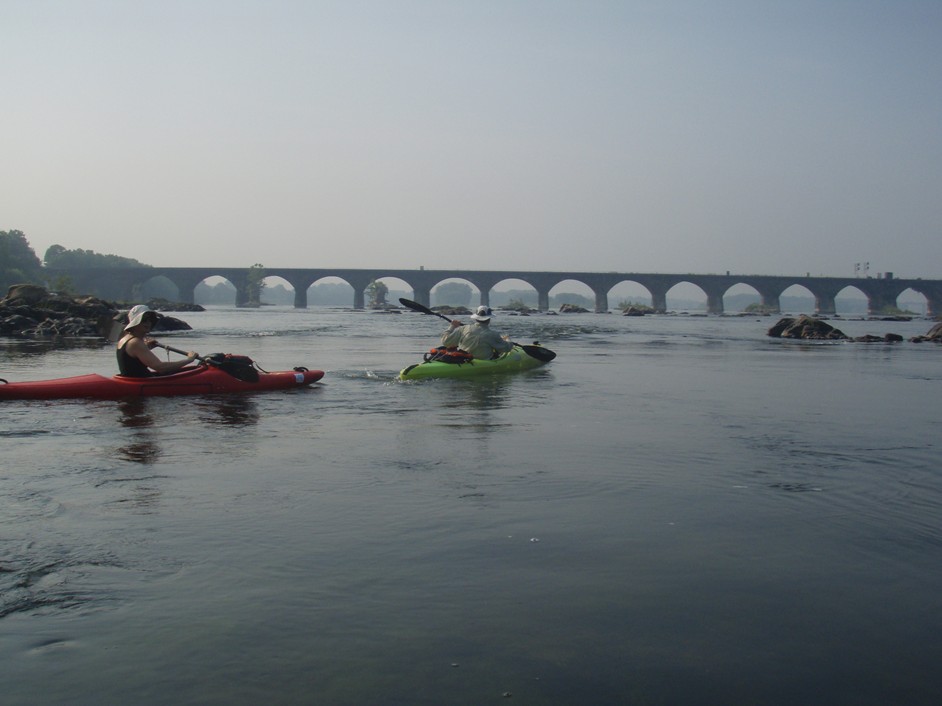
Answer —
(455, 323)
(151, 342)
(191, 356)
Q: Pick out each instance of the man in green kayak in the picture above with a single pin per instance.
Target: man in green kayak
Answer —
(478, 338)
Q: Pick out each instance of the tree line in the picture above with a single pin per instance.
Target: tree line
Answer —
(19, 263)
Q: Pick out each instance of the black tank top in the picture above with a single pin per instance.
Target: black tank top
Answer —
(130, 366)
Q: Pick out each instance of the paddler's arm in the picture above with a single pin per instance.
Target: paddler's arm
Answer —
(141, 350)
(452, 334)
(503, 345)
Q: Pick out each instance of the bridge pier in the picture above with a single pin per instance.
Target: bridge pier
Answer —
(542, 298)
(933, 306)
(824, 305)
(877, 304)
(423, 295)
(714, 303)
(186, 287)
(658, 300)
(601, 302)
(770, 303)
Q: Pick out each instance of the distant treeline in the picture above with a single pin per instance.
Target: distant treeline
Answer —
(20, 265)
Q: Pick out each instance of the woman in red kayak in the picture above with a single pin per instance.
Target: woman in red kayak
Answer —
(135, 357)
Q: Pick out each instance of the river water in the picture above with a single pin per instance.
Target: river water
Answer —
(677, 510)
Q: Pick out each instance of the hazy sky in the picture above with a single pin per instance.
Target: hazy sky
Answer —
(665, 136)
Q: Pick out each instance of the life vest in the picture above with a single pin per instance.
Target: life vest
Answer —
(448, 355)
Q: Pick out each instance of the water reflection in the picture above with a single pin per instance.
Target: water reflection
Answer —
(230, 410)
(28, 348)
(469, 405)
(143, 446)
(488, 393)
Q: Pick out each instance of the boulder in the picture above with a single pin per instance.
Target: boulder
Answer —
(806, 328)
(454, 311)
(572, 309)
(31, 311)
(24, 294)
(164, 323)
(165, 305)
(887, 338)
(934, 335)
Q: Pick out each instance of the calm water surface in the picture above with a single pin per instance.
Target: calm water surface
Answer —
(678, 510)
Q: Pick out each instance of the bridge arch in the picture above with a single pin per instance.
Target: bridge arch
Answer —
(628, 292)
(393, 283)
(932, 291)
(213, 290)
(511, 288)
(577, 293)
(328, 291)
(746, 297)
(156, 287)
(793, 300)
(455, 292)
(273, 286)
(687, 295)
(911, 302)
(853, 300)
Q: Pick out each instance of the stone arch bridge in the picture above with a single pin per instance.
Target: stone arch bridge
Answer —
(121, 283)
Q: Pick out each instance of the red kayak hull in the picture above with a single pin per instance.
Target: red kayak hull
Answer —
(202, 380)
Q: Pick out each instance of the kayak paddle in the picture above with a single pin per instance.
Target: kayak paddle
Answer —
(538, 352)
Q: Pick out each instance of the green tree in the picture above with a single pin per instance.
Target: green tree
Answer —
(256, 283)
(628, 304)
(58, 256)
(18, 262)
(517, 304)
(377, 291)
(62, 284)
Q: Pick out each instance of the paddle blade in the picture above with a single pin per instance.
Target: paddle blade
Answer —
(415, 306)
(421, 308)
(542, 354)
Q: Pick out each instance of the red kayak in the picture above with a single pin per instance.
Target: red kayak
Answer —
(201, 380)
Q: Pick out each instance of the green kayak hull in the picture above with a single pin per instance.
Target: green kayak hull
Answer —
(514, 361)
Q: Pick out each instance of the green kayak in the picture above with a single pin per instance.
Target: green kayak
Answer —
(518, 358)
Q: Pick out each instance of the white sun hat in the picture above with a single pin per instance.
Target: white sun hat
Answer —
(483, 313)
(136, 315)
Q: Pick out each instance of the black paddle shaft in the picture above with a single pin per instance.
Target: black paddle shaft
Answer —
(177, 350)
(538, 352)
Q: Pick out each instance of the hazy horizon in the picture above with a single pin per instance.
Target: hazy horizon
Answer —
(754, 136)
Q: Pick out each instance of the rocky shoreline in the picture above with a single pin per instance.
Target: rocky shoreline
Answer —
(809, 328)
(32, 312)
